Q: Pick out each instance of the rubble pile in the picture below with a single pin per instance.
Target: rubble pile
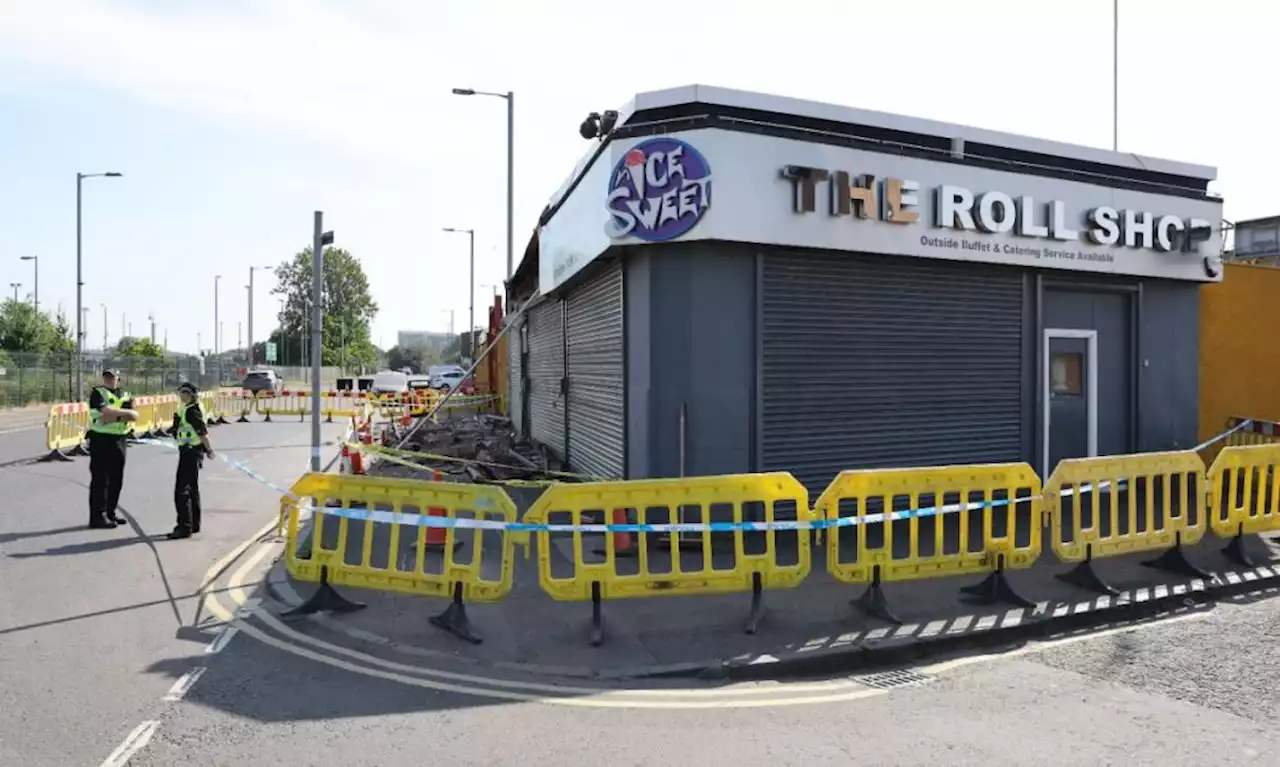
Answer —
(485, 446)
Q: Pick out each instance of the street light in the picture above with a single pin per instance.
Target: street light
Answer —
(36, 294)
(104, 328)
(471, 234)
(216, 340)
(452, 335)
(510, 96)
(249, 287)
(80, 177)
(15, 286)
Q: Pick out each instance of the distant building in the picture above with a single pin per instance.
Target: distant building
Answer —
(1255, 240)
(422, 338)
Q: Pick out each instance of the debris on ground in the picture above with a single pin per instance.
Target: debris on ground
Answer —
(486, 447)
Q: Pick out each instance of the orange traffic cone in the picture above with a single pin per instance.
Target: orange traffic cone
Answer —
(436, 536)
(623, 544)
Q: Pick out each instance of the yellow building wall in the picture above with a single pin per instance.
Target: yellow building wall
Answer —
(1240, 347)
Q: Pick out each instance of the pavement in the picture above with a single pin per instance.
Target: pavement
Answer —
(812, 627)
(22, 433)
(117, 648)
(95, 626)
(1191, 688)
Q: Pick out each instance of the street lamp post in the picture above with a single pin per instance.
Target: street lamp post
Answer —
(320, 238)
(216, 279)
(249, 287)
(471, 234)
(36, 295)
(104, 328)
(15, 286)
(80, 177)
(510, 97)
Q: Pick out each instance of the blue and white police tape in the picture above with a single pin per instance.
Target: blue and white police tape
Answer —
(1222, 436)
(233, 463)
(481, 504)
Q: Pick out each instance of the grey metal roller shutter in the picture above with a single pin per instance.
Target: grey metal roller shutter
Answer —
(874, 361)
(515, 395)
(596, 403)
(546, 370)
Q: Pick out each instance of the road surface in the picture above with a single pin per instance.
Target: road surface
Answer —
(96, 625)
(109, 657)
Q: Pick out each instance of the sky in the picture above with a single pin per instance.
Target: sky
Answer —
(233, 121)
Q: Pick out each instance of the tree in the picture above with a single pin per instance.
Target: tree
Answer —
(346, 307)
(139, 347)
(25, 330)
(417, 358)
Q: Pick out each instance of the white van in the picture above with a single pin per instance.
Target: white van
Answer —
(390, 382)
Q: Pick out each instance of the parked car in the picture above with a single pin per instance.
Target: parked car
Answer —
(258, 381)
(389, 382)
(454, 379)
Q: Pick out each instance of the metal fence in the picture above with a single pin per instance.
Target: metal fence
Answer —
(27, 379)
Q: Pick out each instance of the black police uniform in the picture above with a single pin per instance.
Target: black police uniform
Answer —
(186, 486)
(106, 464)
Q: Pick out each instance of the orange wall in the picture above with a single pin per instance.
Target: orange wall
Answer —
(1239, 347)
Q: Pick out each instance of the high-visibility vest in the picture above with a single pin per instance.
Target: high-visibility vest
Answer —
(110, 399)
(186, 436)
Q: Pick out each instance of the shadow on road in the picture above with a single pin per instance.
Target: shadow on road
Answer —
(184, 631)
(12, 537)
(87, 547)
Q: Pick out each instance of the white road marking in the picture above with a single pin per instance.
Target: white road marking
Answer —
(137, 740)
(184, 684)
(1046, 644)
(220, 641)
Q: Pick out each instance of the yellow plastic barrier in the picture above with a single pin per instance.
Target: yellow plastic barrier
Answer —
(1244, 496)
(166, 407)
(340, 403)
(146, 422)
(619, 567)
(1255, 433)
(946, 520)
(1126, 504)
(65, 430)
(366, 532)
(424, 401)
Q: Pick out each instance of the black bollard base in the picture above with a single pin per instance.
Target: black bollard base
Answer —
(597, 617)
(757, 605)
(996, 589)
(1175, 561)
(1084, 576)
(874, 603)
(325, 599)
(454, 619)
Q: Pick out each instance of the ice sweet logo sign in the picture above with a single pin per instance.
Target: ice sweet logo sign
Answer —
(658, 191)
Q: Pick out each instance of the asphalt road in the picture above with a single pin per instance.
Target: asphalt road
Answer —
(1194, 691)
(108, 657)
(95, 626)
(21, 442)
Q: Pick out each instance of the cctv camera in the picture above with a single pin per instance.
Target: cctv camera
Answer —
(590, 127)
(607, 122)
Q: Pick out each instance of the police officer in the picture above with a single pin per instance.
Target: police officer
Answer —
(192, 436)
(111, 416)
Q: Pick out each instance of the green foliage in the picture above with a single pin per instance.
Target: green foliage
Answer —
(139, 347)
(346, 306)
(23, 329)
(416, 358)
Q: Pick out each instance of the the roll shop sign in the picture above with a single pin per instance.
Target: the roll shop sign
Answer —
(1046, 230)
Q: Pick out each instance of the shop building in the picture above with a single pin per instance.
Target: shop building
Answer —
(734, 282)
